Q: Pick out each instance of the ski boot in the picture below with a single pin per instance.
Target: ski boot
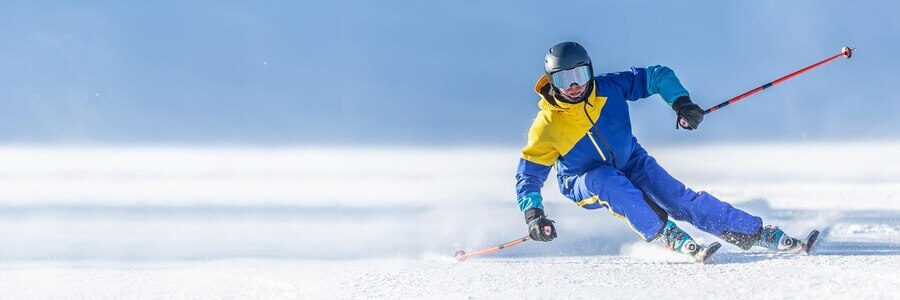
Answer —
(774, 239)
(677, 240)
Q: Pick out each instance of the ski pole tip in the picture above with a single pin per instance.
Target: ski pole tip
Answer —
(460, 255)
(847, 51)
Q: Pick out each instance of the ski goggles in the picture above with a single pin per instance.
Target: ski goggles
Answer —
(565, 78)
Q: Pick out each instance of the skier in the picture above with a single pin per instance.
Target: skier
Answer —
(583, 129)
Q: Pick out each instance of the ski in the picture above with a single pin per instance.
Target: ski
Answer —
(707, 252)
(810, 242)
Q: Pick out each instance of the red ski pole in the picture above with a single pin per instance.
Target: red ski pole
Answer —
(462, 255)
(845, 52)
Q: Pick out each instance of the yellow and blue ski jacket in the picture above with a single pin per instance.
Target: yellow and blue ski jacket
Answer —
(579, 137)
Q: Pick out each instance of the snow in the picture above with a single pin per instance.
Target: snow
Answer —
(319, 222)
(733, 276)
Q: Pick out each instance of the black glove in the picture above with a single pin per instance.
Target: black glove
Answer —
(538, 225)
(689, 114)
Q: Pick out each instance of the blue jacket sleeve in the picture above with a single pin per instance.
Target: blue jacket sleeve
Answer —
(662, 80)
(633, 84)
(530, 179)
(644, 82)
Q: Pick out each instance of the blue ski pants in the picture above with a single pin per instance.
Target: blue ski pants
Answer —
(644, 195)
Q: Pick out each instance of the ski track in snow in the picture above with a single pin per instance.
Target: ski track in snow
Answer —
(150, 223)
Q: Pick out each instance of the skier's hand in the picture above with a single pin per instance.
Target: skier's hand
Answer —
(689, 114)
(539, 227)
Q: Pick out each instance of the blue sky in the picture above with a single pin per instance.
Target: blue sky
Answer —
(423, 72)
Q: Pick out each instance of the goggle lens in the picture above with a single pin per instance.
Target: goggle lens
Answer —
(565, 78)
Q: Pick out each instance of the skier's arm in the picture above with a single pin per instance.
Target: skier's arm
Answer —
(538, 156)
(641, 83)
(534, 167)
(644, 82)
(530, 179)
(662, 80)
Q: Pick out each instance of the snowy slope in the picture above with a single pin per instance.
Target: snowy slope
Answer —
(169, 222)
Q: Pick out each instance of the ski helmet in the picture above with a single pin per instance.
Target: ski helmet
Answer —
(567, 56)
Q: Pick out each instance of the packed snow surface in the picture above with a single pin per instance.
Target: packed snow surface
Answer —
(299, 222)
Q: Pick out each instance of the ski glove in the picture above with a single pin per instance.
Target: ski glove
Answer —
(539, 227)
(689, 114)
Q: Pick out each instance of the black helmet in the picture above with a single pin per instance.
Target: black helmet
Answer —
(566, 56)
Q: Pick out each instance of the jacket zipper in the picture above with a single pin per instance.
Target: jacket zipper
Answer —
(590, 129)
(611, 153)
(596, 145)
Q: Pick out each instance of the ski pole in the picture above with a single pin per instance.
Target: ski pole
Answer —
(462, 255)
(845, 52)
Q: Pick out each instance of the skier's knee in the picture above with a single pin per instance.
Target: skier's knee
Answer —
(599, 178)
